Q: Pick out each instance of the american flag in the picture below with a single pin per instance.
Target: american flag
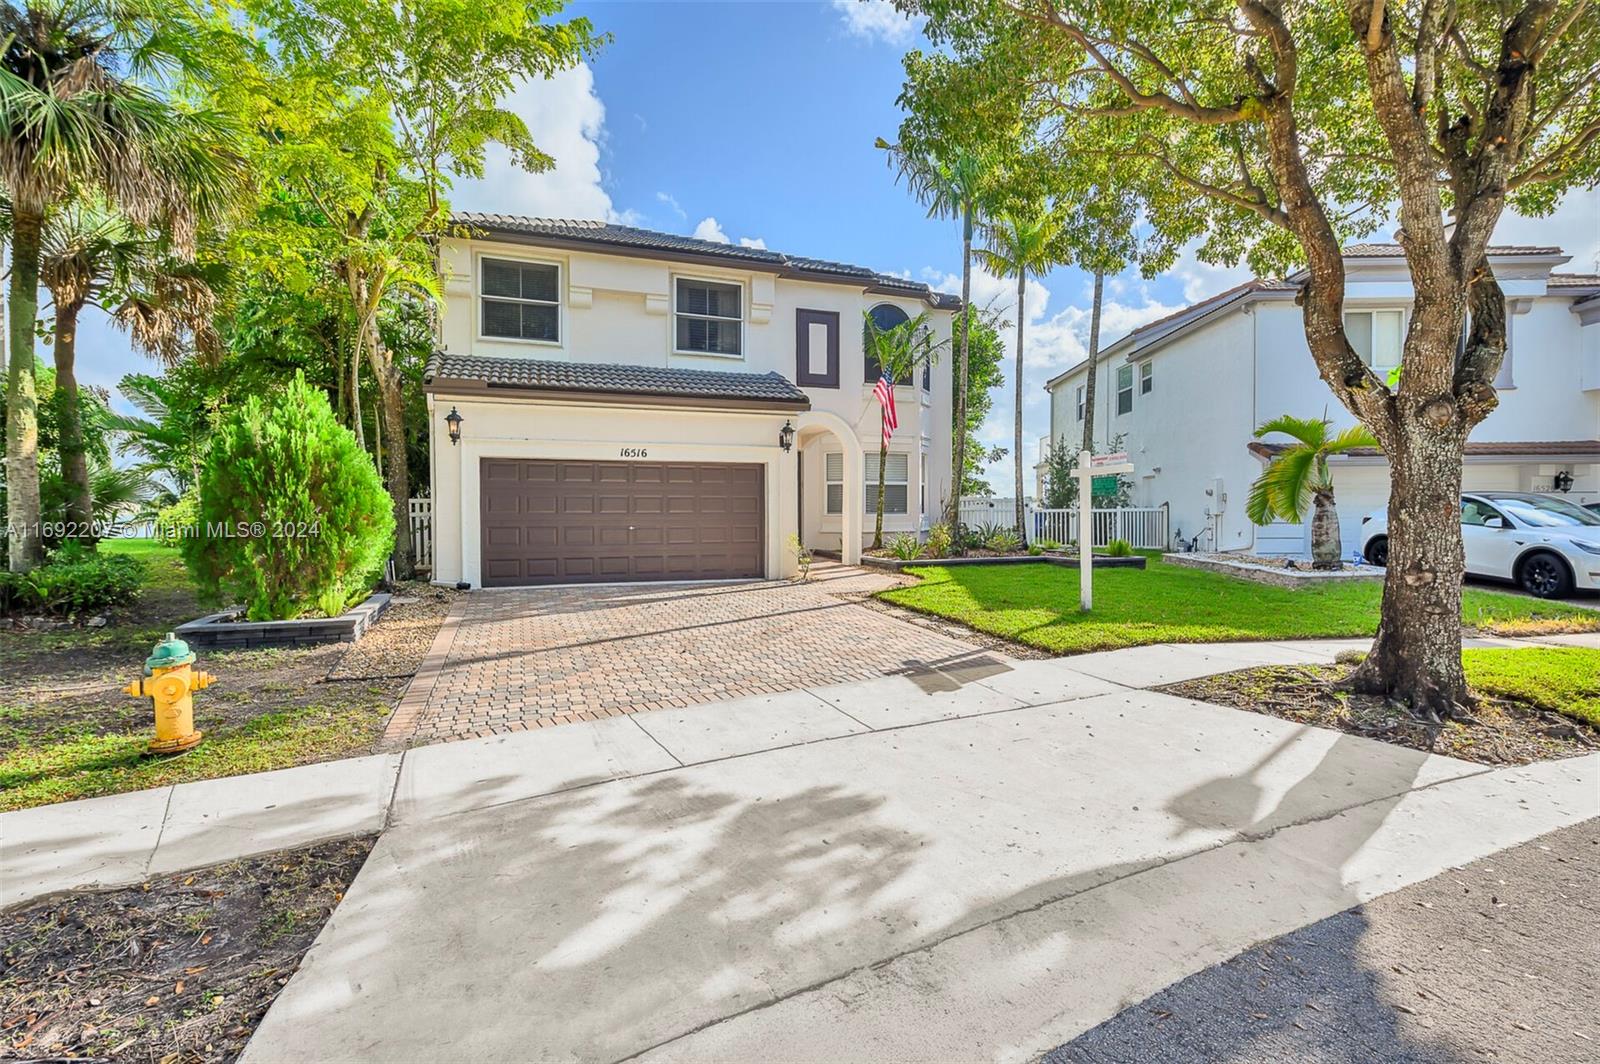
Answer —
(884, 391)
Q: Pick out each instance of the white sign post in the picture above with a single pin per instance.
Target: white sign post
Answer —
(1089, 467)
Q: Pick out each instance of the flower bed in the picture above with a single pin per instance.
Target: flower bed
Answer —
(1274, 572)
(224, 631)
(1069, 561)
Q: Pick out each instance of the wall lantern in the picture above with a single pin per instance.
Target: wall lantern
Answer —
(786, 436)
(453, 419)
(1563, 481)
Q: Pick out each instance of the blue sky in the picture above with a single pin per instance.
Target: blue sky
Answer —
(756, 121)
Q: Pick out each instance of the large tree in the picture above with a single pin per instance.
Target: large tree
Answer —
(1274, 131)
(76, 115)
(93, 255)
(439, 73)
(1022, 242)
(953, 183)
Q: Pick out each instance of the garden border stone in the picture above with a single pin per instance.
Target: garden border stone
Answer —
(223, 631)
(1271, 575)
(1135, 561)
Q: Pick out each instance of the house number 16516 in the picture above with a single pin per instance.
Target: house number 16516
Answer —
(635, 452)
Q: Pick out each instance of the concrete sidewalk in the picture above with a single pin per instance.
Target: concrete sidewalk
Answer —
(123, 838)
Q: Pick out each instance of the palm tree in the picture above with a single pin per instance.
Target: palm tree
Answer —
(901, 351)
(70, 122)
(1022, 243)
(91, 252)
(1094, 357)
(1298, 474)
(173, 432)
(952, 187)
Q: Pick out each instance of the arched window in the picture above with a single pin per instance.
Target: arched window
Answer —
(885, 316)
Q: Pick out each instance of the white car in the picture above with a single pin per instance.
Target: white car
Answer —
(1548, 546)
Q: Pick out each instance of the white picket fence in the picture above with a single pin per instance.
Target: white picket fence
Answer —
(421, 511)
(1141, 526)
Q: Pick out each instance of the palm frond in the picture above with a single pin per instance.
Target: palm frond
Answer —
(1289, 480)
(1312, 432)
(1349, 439)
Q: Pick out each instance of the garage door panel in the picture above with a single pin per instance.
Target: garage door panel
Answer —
(547, 521)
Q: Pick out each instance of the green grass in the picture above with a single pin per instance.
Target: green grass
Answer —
(1038, 605)
(87, 765)
(1565, 679)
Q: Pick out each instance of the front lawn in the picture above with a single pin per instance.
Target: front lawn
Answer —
(68, 731)
(1038, 605)
(1565, 679)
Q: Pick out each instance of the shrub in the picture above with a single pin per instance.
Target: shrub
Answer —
(73, 581)
(905, 546)
(1035, 549)
(938, 540)
(181, 518)
(1003, 540)
(1119, 548)
(290, 508)
(975, 536)
(1047, 544)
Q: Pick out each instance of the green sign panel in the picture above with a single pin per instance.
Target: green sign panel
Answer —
(1103, 485)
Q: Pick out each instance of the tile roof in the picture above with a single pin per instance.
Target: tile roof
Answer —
(1478, 448)
(765, 389)
(1574, 280)
(1392, 250)
(608, 234)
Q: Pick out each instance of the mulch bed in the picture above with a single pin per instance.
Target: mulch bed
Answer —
(1503, 731)
(179, 968)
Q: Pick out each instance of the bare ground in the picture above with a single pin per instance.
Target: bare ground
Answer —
(179, 968)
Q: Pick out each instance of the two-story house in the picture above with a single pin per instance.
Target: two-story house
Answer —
(1186, 393)
(614, 404)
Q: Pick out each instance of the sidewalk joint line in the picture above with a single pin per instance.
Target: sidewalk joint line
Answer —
(635, 718)
(161, 832)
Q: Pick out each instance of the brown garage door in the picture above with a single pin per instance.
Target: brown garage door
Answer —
(560, 522)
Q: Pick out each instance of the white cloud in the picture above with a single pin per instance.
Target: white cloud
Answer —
(708, 229)
(671, 201)
(875, 20)
(752, 242)
(567, 120)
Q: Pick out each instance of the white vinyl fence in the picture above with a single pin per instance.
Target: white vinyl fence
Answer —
(422, 531)
(1144, 527)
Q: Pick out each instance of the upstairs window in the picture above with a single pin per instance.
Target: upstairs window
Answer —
(1147, 377)
(1124, 389)
(1080, 402)
(1377, 336)
(885, 316)
(710, 318)
(520, 300)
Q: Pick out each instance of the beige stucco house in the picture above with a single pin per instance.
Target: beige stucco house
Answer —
(614, 404)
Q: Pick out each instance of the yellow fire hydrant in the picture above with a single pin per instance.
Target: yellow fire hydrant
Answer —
(170, 684)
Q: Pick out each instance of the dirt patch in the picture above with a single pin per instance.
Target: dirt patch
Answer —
(1503, 731)
(395, 646)
(179, 968)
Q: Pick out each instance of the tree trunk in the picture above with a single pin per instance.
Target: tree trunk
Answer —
(1094, 357)
(1416, 657)
(959, 459)
(1016, 428)
(397, 474)
(26, 544)
(74, 461)
(883, 463)
(1327, 552)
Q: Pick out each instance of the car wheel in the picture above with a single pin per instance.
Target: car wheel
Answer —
(1545, 575)
(1378, 550)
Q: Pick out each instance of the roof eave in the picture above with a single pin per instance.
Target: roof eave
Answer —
(475, 388)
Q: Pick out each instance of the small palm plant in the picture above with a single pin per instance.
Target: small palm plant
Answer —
(900, 352)
(1298, 476)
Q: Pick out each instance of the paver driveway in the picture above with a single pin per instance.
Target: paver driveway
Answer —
(511, 660)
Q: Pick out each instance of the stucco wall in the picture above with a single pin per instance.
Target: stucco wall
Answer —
(618, 309)
(508, 429)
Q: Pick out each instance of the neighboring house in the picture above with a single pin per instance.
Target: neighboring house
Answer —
(642, 406)
(1188, 391)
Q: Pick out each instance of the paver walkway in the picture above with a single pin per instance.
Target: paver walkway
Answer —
(510, 660)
